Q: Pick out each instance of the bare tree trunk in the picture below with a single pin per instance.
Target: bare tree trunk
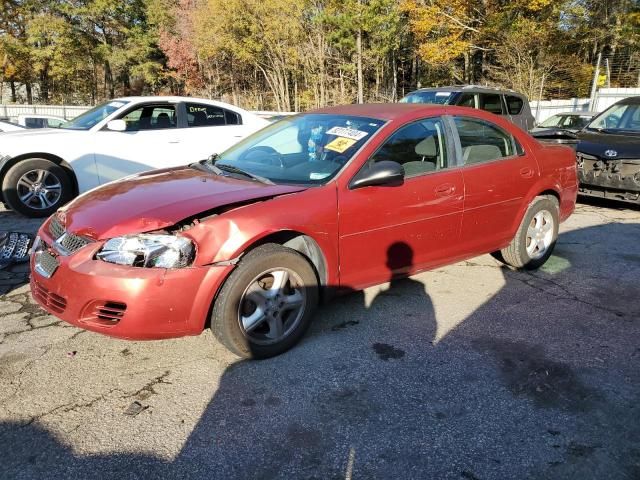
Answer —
(394, 66)
(108, 81)
(359, 65)
(27, 85)
(13, 91)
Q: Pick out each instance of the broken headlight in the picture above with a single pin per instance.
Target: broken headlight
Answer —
(148, 250)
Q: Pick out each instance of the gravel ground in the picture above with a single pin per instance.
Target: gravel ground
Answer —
(472, 371)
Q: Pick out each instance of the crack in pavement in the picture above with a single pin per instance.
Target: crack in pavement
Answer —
(568, 295)
(71, 407)
(148, 390)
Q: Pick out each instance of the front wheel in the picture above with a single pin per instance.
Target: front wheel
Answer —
(36, 187)
(266, 304)
(536, 237)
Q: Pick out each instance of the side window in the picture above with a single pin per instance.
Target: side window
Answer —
(150, 117)
(232, 118)
(420, 147)
(467, 100)
(202, 115)
(482, 141)
(491, 102)
(514, 104)
(54, 123)
(35, 122)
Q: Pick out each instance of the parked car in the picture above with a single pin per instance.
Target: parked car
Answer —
(33, 120)
(6, 126)
(340, 198)
(569, 121)
(511, 105)
(41, 170)
(607, 151)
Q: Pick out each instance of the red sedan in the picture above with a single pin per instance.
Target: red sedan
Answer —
(340, 198)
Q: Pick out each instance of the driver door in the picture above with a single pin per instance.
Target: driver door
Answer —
(151, 141)
(397, 230)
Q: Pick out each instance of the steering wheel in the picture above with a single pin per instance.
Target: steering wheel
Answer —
(263, 154)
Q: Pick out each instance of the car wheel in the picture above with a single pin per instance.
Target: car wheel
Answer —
(266, 304)
(536, 238)
(36, 187)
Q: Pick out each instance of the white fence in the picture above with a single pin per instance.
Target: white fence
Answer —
(605, 97)
(67, 112)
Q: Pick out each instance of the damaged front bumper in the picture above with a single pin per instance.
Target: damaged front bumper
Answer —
(617, 179)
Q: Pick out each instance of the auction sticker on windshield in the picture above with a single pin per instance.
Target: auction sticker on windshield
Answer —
(347, 133)
(340, 144)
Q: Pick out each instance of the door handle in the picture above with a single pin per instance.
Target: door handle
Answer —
(174, 141)
(445, 189)
(526, 172)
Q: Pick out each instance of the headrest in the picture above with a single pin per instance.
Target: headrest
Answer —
(427, 147)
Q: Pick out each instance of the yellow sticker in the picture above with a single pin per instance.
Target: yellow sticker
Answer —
(340, 144)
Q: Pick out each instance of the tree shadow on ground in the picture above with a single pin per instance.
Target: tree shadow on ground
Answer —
(540, 381)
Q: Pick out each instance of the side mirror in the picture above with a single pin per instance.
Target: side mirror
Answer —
(117, 125)
(385, 172)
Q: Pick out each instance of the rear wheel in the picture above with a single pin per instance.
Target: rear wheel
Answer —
(36, 187)
(536, 237)
(266, 304)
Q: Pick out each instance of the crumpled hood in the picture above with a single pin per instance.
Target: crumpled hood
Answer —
(158, 199)
(596, 143)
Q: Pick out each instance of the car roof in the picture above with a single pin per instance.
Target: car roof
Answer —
(581, 114)
(173, 98)
(402, 111)
(468, 88)
(381, 111)
(630, 100)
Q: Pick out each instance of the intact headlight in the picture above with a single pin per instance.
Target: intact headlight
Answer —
(148, 250)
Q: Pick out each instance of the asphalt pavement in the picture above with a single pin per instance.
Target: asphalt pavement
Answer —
(472, 371)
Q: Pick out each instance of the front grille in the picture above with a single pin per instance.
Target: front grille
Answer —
(70, 242)
(45, 263)
(65, 242)
(55, 228)
(54, 302)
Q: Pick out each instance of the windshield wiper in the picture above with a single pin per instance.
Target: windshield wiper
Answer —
(233, 169)
(210, 165)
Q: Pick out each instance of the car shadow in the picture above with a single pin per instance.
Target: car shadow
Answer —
(539, 381)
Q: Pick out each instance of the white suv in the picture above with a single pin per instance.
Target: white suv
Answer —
(42, 169)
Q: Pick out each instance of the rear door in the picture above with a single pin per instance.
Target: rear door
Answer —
(497, 176)
(211, 129)
(395, 230)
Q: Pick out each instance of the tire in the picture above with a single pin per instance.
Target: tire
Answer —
(522, 252)
(249, 319)
(49, 185)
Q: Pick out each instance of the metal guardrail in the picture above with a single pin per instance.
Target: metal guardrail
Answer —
(65, 111)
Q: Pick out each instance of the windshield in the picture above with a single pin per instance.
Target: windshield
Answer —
(304, 149)
(566, 121)
(94, 116)
(618, 118)
(440, 98)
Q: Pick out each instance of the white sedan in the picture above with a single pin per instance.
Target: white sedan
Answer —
(41, 170)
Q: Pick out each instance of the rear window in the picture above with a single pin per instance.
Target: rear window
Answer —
(203, 115)
(514, 104)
